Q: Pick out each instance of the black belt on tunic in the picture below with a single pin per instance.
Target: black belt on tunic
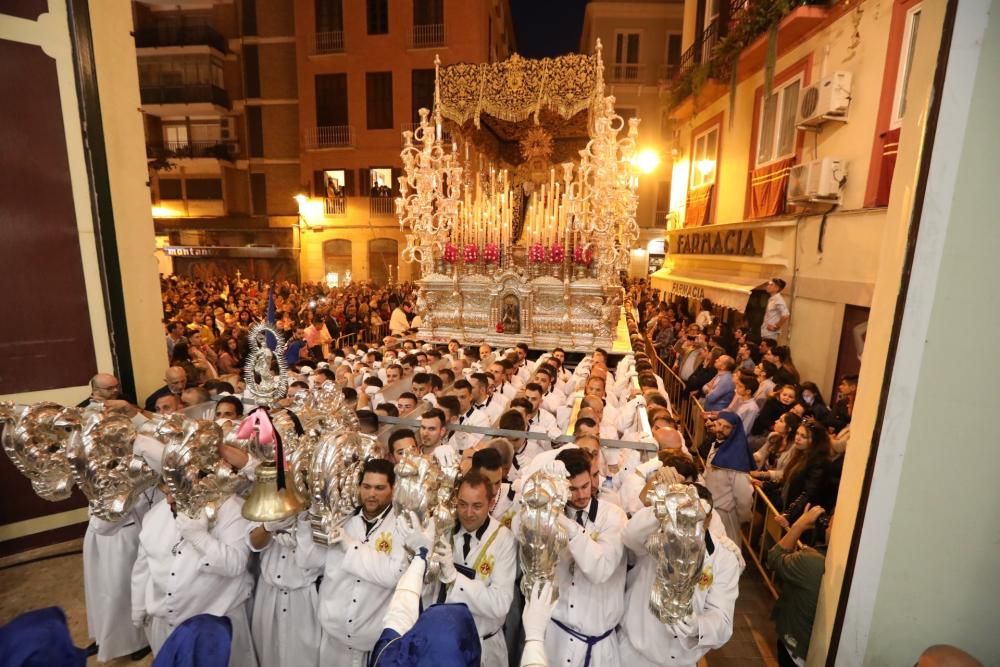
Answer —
(588, 639)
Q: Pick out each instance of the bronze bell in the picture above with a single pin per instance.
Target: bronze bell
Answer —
(266, 501)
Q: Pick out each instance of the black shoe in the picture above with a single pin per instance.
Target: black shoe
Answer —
(141, 653)
(92, 649)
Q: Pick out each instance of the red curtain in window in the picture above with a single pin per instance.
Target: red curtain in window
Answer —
(890, 146)
(767, 189)
(699, 206)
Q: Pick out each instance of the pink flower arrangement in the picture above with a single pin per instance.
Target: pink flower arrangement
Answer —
(450, 253)
(536, 253)
(557, 253)
(491, 253)
(471, 253)
(583, 254)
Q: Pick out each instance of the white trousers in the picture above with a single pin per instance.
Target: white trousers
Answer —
(241, 652)
(332, 652)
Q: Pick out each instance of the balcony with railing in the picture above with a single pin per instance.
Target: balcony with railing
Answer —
(626, 73)
(335, 206)
(382, 207)
(204, 93)
(328, 136)
(329, 42)
(173, 34)
(429, 35)
(218, 149)
(738, 36)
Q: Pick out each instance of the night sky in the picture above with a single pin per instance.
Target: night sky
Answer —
(547, 27)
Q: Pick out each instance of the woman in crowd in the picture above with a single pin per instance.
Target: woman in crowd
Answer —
(227, 350)
(807, 477)
(812, 400)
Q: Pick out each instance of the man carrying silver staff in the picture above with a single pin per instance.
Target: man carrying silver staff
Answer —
(590, 575)
(646, 641)
(361, 567)
(478, 567)
(187, 567)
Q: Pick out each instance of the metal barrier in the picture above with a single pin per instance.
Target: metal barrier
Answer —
(763, 531)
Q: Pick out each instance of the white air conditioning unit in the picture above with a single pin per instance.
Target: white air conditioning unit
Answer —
(826, 100)
(819, 180)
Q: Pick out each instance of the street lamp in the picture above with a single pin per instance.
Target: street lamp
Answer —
(647, 160)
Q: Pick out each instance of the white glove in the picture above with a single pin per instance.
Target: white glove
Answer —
(648, 468)
(139, 618)
(280, 526)
(686, 627)
(287, 540)
(190, 528)
(446, 457)
(446, 559)
(571, 527)
(339, 537)
(417, 536)
(537, 612)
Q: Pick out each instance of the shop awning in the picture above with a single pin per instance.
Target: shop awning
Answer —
(731, 292)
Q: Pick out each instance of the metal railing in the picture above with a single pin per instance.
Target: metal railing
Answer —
(431, 34)
(329, 136)
(382, 207)
(626, 72)
(763, 531)
(329, 42)
(194, 93)
(172, 34)
(220, 149)
(335, 206)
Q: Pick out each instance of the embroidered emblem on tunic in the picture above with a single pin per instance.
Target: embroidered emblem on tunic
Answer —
(486, 566)
(384, 543)
(706, 578)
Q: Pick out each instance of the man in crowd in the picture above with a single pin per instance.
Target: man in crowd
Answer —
(175, 380)
(478, 567)
(776, 314)
(361, 565)
(590, 575)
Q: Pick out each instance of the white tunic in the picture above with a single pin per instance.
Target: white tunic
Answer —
(286, 628)
(490, 593)
(591, 581)
(358, 581)
(174, 580)
(109, 552)
(647, 641)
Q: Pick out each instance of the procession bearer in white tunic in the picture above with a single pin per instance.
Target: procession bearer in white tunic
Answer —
(286, 630)
(109, 552)
(590, 575)
(186, 567)
(645, 641)
(361, 568)
(479, 567)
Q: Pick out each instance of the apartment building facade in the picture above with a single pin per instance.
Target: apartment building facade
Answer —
(641, 49)
(364, 70)
(793, 183)
(220, 104)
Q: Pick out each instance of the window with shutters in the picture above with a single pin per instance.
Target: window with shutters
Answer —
(910, 29)
(703, 157)
(331, 100)
(204, 188)
(626, 67)
(249, 16)
(378, 17)
(673, 61)
(334, 191)
(422, 91)
(170, 188)
(378, 89)
(428, 12)
(776, 131)
(258, 194)
(251, 70)
(255, 131)
(329, 16)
